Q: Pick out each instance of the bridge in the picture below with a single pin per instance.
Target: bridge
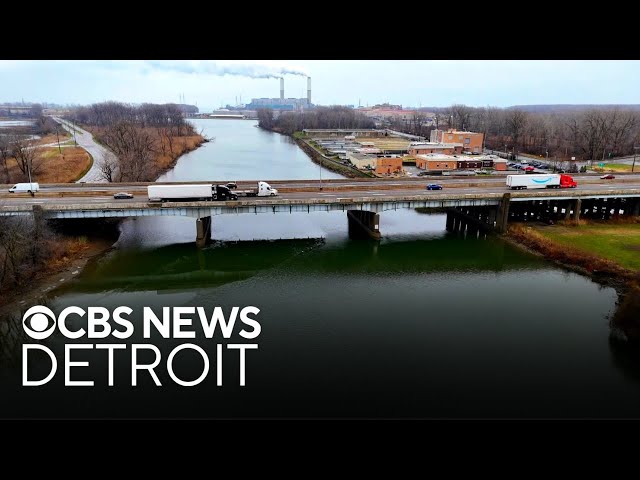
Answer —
(471, 207)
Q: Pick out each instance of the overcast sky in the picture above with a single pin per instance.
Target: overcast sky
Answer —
(410, 83)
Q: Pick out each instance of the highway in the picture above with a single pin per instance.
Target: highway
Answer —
(97, 152)
(306, 190)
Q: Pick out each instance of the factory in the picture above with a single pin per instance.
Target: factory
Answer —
(282, 103)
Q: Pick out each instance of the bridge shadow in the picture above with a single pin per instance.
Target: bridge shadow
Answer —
(181, 266)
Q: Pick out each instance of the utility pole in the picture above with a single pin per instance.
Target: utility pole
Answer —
(633, 165)
(320, 172)
(57, 135)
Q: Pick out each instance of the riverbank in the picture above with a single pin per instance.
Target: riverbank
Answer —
(74, 254)
(318, 158)
(605, 252)
(572, 250)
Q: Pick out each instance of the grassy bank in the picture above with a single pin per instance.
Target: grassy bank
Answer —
(615, 242)
(51, 166)
(594, 249)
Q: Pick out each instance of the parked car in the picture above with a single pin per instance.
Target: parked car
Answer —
(528, 169)
(607, 177)
(434, 186)
(122, 195)
(422, 174)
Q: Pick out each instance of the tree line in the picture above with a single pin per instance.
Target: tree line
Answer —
(591, 135)
(26, 243)
(321, 117)
(137, 135)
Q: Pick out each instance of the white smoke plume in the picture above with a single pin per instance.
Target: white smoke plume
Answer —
(218, 69)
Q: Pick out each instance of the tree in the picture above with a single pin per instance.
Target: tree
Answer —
(265, 118)
(109, 170)
(5, 155)
(25, 153)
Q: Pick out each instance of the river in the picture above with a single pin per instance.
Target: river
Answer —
(421, 324)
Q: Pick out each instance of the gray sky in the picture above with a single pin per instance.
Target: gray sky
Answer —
(408, 82)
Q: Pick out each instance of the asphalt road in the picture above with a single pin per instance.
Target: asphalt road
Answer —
(98, 152)
(6, 201)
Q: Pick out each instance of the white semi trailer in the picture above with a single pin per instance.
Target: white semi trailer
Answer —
(534, 181)
(181, 193)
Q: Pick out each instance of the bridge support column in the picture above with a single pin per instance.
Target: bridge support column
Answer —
(635, 208)
(577, 205)
(363, 224)
(567, 209)
(203, 232)
(450, 221)
(503, 213)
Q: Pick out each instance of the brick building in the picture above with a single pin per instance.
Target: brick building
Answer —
(471, 141)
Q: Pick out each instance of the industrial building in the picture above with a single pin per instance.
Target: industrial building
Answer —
(471, 141)
(282, 103)
(424, 148)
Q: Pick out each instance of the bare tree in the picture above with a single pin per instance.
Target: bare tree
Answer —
(5, 155)
(26, 155)
(109, 168)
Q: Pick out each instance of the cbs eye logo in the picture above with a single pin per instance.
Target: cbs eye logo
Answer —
(35, 322)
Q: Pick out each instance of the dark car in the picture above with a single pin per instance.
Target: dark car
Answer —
(122, 195)
(422, 174)
(607, 177)
(434, 186)
(232, 185)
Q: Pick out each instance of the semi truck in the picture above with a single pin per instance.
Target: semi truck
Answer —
(182, 193)
(263, 189)
(547, 180)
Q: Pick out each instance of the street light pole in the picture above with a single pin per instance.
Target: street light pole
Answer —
(633, 165)
(320, 172)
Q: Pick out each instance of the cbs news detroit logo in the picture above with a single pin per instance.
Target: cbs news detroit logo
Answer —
(40, 323)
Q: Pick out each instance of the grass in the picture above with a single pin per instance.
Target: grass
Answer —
(52, 138)
(620, 167)
(56, 167)
(619, 243)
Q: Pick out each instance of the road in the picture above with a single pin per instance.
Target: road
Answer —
(98, 152)
(304, 190)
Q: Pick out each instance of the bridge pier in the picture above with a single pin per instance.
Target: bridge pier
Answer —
(502, 216)
(635, 208)
(577, 205)
(203, 232)
(363, 224)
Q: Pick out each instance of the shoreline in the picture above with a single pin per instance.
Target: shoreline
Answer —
(45, 283)
(607, 274)
(624, 323)
(173, 162)
(316, 157)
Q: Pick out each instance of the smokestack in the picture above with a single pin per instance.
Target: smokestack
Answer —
(309, 90)
(281, 88)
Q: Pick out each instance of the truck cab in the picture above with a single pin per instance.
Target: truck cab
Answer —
(266, 190)
(223, 192)
(567, 181)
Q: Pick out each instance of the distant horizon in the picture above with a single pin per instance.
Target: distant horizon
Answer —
(433, 83)
(406, 107)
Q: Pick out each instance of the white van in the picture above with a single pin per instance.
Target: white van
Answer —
(25, 187)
